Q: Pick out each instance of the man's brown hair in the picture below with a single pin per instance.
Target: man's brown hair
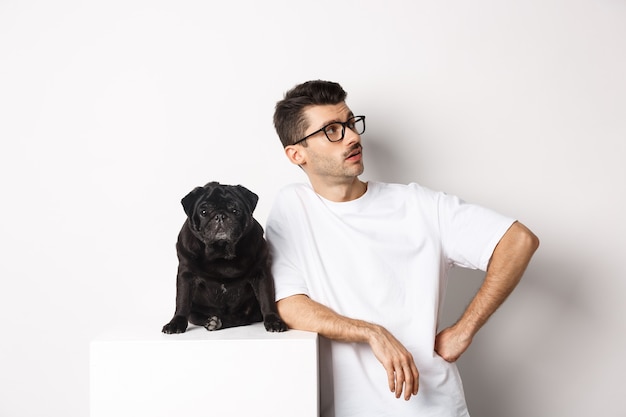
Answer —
(289, 120)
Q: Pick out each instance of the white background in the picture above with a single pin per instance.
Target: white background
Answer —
(110, 112)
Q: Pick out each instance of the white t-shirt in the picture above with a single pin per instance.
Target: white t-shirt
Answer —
(382, 258)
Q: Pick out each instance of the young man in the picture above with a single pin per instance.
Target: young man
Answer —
(365, 265)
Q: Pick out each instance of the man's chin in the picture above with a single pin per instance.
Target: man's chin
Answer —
(358, 169)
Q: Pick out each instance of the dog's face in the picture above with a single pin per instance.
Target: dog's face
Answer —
(219, 215)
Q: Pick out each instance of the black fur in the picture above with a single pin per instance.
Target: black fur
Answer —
(224, 277)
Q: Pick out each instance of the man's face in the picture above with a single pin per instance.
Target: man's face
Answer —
(331, 161)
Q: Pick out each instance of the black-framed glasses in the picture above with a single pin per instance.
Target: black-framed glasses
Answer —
(336, 131)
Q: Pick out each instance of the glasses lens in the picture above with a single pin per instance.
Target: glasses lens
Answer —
(357, 124)
(334, 132)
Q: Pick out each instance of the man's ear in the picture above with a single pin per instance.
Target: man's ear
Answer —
(296, 154)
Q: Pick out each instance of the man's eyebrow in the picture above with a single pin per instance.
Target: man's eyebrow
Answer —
(336, 120)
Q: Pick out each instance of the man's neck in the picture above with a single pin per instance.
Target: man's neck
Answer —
(341, 192)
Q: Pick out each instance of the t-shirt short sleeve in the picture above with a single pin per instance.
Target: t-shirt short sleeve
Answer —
(469, 232)
(280, 235)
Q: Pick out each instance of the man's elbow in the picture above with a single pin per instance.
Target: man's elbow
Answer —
(291, 308)
(527, 241)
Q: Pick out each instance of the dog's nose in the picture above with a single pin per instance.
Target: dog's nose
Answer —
(219, 217)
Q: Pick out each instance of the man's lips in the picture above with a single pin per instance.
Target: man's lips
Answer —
(354, 153)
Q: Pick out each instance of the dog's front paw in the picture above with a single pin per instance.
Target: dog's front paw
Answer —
(213, 323)
(273, 323)
(177, 325)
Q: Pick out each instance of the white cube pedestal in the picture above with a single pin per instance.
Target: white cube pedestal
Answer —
(242, 371)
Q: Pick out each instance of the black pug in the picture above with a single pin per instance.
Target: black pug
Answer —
(224, 277)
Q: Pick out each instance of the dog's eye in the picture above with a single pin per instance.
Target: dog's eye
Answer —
(235, 212)
(203, 212)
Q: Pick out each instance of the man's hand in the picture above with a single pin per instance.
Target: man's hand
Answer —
(450, 344)
(402, 373)
(300, 312)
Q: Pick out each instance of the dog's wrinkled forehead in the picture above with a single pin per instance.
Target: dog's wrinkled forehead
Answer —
(218, 193)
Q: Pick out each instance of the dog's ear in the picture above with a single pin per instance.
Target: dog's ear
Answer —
(248, 197)
(189, 201)
(211, 185)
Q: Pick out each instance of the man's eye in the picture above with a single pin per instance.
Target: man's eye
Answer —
(333, 129)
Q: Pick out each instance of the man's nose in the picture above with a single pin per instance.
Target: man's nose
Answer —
(350, 137)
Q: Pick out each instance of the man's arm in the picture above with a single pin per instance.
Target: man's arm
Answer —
(506, 267)
(302, 313)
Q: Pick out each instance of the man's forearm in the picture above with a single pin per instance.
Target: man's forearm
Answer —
(508, 263)
(302, 313)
